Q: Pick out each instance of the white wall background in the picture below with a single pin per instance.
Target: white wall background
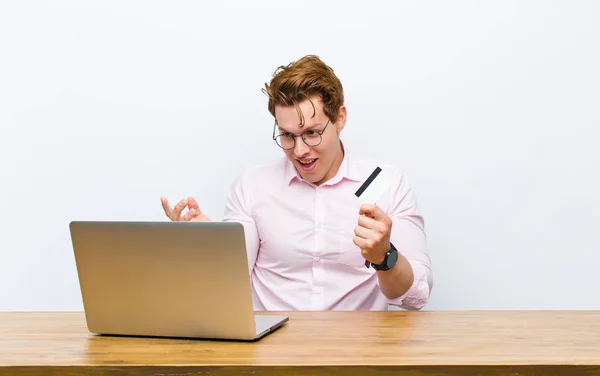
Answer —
(492, 109)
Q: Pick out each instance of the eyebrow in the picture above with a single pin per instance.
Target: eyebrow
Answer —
(304, 129)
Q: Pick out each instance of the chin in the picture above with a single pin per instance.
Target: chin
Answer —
(312, 178)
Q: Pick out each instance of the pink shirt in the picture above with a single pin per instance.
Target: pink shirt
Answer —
(299, 238)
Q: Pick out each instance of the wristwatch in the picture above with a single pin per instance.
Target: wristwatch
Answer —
(391, 257)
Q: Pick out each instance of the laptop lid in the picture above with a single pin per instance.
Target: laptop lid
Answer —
(174, 279)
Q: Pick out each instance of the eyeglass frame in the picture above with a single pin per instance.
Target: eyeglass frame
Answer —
(300, 135)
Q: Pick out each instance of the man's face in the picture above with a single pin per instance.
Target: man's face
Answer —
(316, 164)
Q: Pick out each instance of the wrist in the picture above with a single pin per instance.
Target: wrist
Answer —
(389, 260)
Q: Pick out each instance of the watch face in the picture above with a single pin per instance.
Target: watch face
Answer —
(392, 259)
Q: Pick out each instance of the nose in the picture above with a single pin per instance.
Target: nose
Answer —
(300, 149)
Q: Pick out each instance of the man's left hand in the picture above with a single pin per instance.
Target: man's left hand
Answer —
(372, 234)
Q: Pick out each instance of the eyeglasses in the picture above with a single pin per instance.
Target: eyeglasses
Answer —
(287, 140)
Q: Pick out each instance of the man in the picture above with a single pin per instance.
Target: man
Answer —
(311, 244)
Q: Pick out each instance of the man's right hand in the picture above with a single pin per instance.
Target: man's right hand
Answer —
(194, 214)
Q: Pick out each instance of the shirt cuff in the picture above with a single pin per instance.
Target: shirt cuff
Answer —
(417, 295)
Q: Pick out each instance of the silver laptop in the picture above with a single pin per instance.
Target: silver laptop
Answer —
(167, 279)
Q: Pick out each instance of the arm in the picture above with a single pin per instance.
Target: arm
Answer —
(408, 283)
(397, 281)
(238, 209)
(408, 236)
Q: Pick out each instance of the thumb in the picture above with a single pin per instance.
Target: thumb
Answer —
(371, 210)
(193, 204)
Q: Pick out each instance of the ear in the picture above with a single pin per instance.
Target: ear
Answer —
(341, 119)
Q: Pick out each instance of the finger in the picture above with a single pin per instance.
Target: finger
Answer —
(371, 223)
(372, 211)
(193, 204)
(189, 215)
(176, 215)
(365, 246)
(166, 207)
(365, 233)
(362, 243)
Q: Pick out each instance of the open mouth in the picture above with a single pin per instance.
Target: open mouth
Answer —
(307, 164)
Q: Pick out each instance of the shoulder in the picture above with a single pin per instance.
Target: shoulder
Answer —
(365, 165)
(270, 170)
(261, 175)
(253, 183)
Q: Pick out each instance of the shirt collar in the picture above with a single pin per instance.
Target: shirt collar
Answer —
(347, 170)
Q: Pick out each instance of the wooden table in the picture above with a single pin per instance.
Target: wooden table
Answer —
(320, 343)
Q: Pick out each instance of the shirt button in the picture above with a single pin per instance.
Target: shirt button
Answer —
(317, 259)
(318, 290)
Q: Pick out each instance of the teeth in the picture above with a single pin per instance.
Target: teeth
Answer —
(309, 162)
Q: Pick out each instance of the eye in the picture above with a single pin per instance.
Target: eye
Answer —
(311, 133)
(285, 134)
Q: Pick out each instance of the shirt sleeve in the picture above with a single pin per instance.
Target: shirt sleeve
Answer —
(238, 209)
(408, 236)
